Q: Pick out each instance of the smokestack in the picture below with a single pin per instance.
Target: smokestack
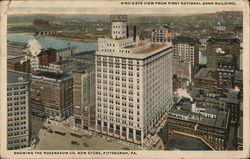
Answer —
(127, 32)
(193, 107)
(134, 32)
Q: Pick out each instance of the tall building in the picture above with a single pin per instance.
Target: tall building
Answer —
(51, 95)
(84, 97)
(133, 84)
(18, 102)
(161, 34)
(225, 71)
(221, 45)
(185, 55)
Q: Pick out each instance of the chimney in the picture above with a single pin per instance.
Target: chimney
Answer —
(134, 32)
(127, 32)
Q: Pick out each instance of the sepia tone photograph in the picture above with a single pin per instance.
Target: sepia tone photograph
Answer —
(147, 76)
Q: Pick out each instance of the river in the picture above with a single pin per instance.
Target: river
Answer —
(52, 43)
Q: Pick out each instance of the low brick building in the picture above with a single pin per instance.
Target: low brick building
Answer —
(211, 125)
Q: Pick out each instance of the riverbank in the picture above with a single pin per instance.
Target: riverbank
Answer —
(71, 39)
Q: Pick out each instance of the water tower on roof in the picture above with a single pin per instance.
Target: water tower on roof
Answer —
(119, 26)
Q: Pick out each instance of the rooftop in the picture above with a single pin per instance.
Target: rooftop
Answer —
(62, 62)
(52, 75)
(153, 47)
(232, 96)
(17, 77)
(188, 40)
(89, 55)
(223, 39)
(220, 121)
(206, 74)
(11, 55)
(15, 59)
(84, 69)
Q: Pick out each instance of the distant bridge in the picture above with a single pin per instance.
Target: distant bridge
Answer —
(46, 32)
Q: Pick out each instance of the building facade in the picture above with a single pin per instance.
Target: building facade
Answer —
(225, 71)
(51, 95)
(222, 46)
(186, 50)
(18, 105)
(133, 85)
(66, 52)
(84, 97)
(161, 34)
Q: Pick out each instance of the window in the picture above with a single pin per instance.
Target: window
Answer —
(110, 64)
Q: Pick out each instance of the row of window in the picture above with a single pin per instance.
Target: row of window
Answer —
(16, 128)
(15, 88)
(123, 66)
(111, 108)
(105, 105)
(117, 90)
(16, 93)
(105, 99)
(17, 133)
(117, 60)
(116, 120)
(118, 96)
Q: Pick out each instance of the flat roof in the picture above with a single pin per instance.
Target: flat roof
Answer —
(151, 48)
(220, 121)
(15, 59)
(206, 74)
(232, 96)
(14, 54)
(188, 40)
(51, 75)
(89, 55)
(17, 77)
(63, 62)
(85, 68)
(223, 39)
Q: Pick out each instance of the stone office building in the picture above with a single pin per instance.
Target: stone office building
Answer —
(185, 57)
(84, 97)
(18, 105)
(222, 46)
(133, 84)
(225, 71)
(51, 95)
(161, 34)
